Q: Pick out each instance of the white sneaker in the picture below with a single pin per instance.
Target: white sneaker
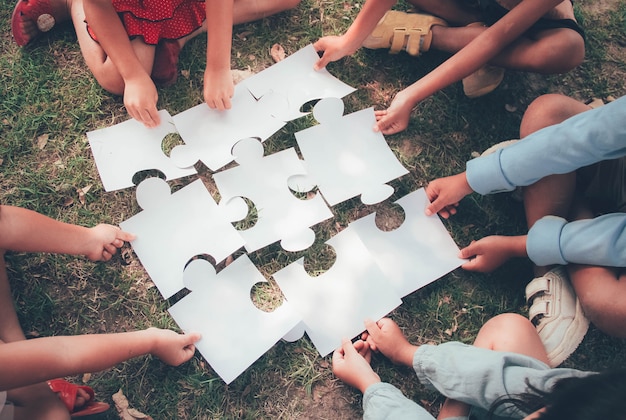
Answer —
(557, 314)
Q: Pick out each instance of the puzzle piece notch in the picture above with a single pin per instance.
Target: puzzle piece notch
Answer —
(124, 149)
(334, 304)
(345, 157)
(175, 227)
(209, 134)
(235, 332)
(295, 79)
(264, 180)
(414, 254)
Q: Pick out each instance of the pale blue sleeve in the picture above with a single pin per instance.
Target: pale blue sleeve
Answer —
(478, 376)
(599, 241)
(385, 401)
(589, 137)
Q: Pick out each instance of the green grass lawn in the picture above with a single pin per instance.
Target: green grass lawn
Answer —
(49, 100)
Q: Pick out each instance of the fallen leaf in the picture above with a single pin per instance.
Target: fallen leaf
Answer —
(86, 377)
(68, 201)
(42, 141)
(510, 108)
(124, 410)
(277, 52)
(82, 192)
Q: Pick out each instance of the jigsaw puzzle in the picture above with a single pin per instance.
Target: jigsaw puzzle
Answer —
(210, 135)
(235, 332)
(264, 180)
(345, 157)
(334, 304)
(174, 228)
(122, 150)
(292, 82)
(415, 254)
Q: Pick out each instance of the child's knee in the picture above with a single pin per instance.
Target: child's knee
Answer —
(500, 327)
(547, 110)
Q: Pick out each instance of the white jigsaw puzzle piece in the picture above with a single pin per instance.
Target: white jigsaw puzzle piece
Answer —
(173, 228)
(295, 79)
(122, 150)
(264, 181)
(336, 303)
(210, 135)
(415, 254)
(235, 332)
(345, 157)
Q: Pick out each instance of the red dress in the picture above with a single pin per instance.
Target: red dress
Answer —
(154, 20)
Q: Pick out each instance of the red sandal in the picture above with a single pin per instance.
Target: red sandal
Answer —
(165, 67)
(38, 14)
(67, 392)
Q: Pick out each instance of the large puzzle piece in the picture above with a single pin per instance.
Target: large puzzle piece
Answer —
(264, 180)
(174, 228)
(122, 150)
(417, 253)
(293, 82)
(235, 333)
(345, 157)
(210, 135)
(335, 304)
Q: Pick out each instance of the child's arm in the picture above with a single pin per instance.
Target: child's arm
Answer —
(337, 47)
(465, 62)
(218, 82)
(490, 252)
(28, 231)
(32, 361)
(140, 95)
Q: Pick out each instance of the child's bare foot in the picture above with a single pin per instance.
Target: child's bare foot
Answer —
(32, 17)
(395, 118)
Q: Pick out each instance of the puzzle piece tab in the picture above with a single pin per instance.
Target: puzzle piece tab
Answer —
(293, 82)
(122, 150)
(415, 254)
(345, 157)
(210, 135)
(335, 304)
(174, 228)
(264, 181)
(235, 333)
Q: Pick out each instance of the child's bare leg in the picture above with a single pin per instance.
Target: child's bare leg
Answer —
(452, 11)
(32, 402)
(552, 51)
(251, 10)
(552, 195)
(505, 332)
(602, 295)
(37, 402)
(96, 59)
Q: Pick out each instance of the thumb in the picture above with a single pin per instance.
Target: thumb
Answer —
(191, 338)
(125, 236)
(469, 251)
(348, 348)
(321, 63)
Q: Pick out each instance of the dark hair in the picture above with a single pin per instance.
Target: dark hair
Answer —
(593, 397)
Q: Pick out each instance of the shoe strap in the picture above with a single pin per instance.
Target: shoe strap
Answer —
(540, 307)
(397, 40)
(539, 285)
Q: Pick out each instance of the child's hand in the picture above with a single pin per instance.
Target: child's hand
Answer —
(491, 252)
(351, 364)
(334, 48)
(104, 242)
(140, 100)
(173, 348)
(218, 89)
(445, 194)
(385, 336)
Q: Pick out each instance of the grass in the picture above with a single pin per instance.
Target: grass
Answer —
(48, 101)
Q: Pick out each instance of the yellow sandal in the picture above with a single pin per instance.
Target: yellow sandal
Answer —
(399, 31)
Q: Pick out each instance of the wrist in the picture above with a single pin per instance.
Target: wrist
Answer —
(368, 381)
(407, 355)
